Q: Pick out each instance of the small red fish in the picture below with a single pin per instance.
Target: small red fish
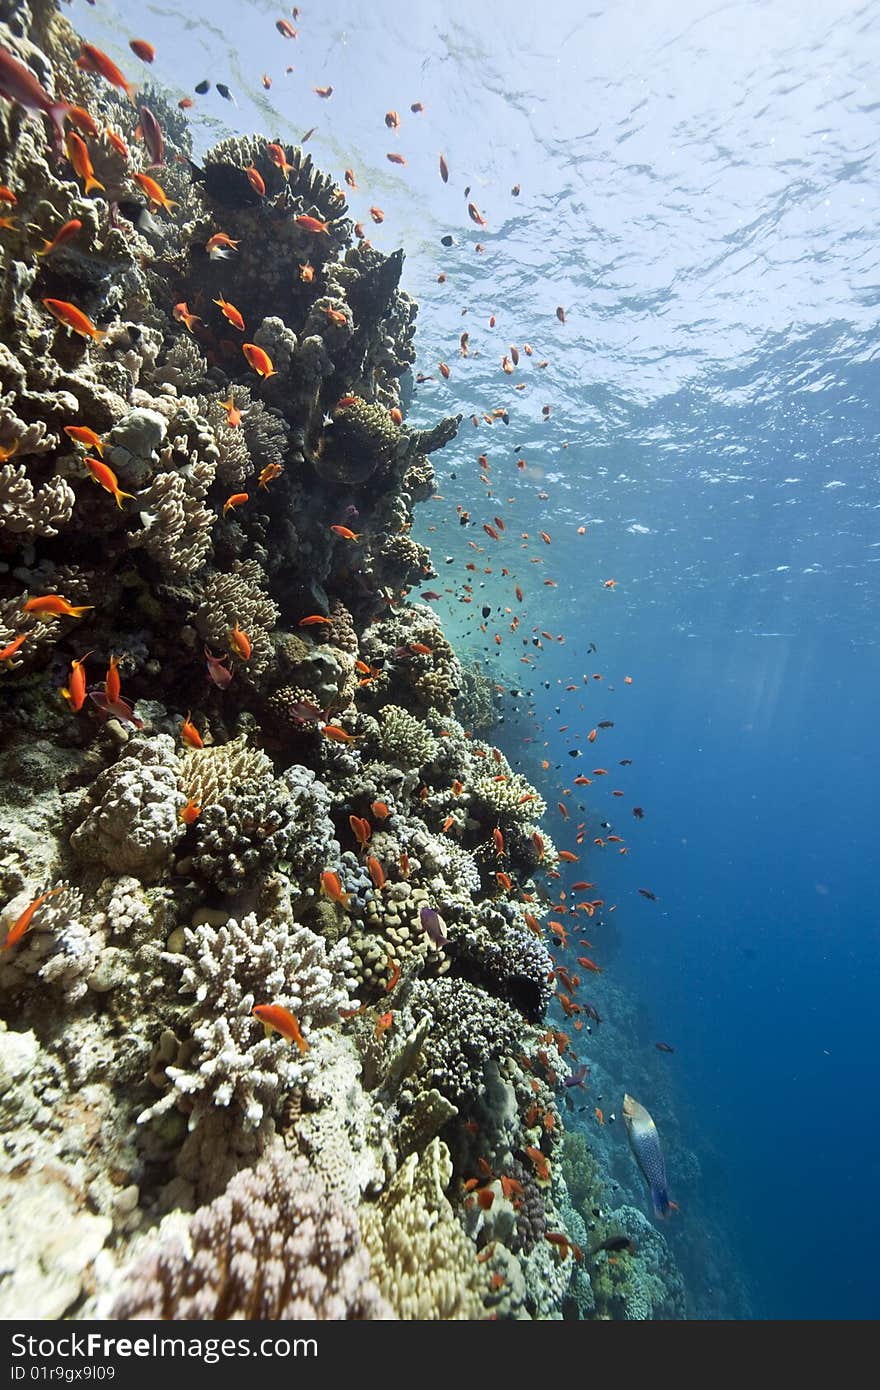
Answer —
(259, 360)
(190, 734)
(91, 59)
(240, 643)
(332, 888)
(21, 924)
(278, 1019)
(189, 813)
(237, 499)
(345, 533)
(143, 50)
(103, 474)
(312, 224)
(64, 234)
(73, 318)
(54, 606)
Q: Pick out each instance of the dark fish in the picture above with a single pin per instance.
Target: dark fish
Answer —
(592, 648)
(303, 710)
(486, 610)
(605, 724)
(225, 92)
(202, 87)
(638, 813)
(433, 925)
(431, 594)
(625, 762)
(577, 1077)
(574, 752)
(591, 1012)
(614, 1244)
(646, 893)
(152, 133)
(664, 1047)
(447, 241)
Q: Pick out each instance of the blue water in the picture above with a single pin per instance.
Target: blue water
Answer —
(699, 191)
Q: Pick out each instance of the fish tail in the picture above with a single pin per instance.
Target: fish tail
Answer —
(119, 494)
(660, 1199)
(92, 182)
(47, 247)
(97, 335)
(56, 113)
(78, 612)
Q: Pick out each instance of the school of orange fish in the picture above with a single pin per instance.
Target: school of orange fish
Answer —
(509, 550)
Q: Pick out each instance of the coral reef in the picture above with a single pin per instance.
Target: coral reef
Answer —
(235, 780)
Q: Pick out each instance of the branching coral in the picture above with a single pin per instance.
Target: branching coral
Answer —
(229, 970)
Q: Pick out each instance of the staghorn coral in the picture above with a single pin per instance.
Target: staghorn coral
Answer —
(228, 970)
(131, 823)
(275, 1245)
(422, 1261)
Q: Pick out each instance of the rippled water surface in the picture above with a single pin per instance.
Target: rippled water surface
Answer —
(699, 192)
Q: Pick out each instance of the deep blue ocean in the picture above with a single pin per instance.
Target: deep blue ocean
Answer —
(699, 188)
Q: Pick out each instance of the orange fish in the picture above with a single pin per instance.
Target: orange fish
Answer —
(313, 620)
(567, 856)
(237, 499)
(589, 964)
(312, 224)
(240, 643)
(383, 1023)
(392, 120)
(285, 28)
(279, 159)
(377, 214)
(274, 1017)
(112, 684)
(189, 813)
(143, 50)
(181, 313)
(395, 158)
(21, 924)
(361, 829)
(189, 733)
(70, 317)
(609, 584)
(258, 359)
(103, 474)
(324, 92)
(563, 809)
(65, 233)
(599, 1115)
(504, 880)
(256, 181)
(117, 142)
(91, 59)
(583, 781)
(230, 313)
(331, 887)
(85, 436)
(220, 246)
(345, 533)
(154, 191)
(233, 414)
(499, 840)
(6, 194)
(350, 179)
(54, 606)
(9, 651)
(376, 872)
(333, 731)
(307, 273)
(75, 690)
(444, 169)
(380, 809)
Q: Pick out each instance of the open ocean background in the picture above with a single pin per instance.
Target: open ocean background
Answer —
(699, 190)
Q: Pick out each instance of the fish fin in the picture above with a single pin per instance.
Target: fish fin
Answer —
(92, 182)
